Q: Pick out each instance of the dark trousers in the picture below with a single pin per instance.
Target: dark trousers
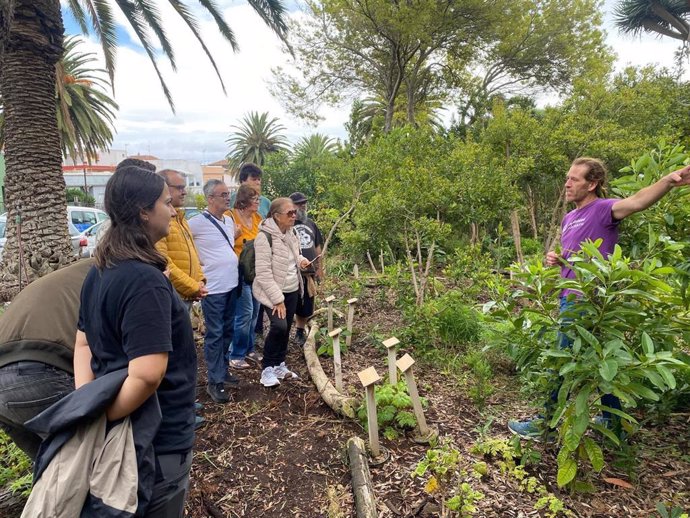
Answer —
(172, 483)
(276, 343)
(27, 388)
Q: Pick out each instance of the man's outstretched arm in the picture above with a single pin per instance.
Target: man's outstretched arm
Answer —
(648, 196)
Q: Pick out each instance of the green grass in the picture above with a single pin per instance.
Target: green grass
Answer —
(15, 467)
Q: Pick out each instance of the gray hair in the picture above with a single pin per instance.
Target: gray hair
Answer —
(165, 173)
(210, 185)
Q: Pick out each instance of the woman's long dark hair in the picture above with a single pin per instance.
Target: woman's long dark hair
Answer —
(130, 190)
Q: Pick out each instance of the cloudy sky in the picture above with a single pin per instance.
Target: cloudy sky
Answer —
(198, 130)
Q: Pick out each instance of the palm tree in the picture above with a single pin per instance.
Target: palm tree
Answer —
(85, 113)
(254, 138)
(31, 44)
(669, 18)
(315, 145)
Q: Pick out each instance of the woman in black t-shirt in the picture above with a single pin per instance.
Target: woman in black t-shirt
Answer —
(131, 317)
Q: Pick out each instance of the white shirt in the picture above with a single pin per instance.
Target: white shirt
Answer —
(218, 258)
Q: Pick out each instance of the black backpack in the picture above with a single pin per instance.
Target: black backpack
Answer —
(247, 259)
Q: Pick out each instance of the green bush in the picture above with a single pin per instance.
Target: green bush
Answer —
(456, 322)
(393, 409)
(446, 321)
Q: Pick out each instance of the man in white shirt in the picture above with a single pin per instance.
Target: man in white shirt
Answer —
(214, 235)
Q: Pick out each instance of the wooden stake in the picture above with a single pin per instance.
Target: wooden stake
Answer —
(350, 319)
(337, 364)
(329, 301)
(405, 365)
(355, 271)
(381, 259)
(392, 370)
(369, 377)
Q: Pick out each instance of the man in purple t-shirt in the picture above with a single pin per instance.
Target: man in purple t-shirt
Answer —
(595, 217)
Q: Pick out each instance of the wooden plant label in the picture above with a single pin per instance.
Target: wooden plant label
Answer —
(405, 365)
(337, 364)
(369, 377)
(350, 320)
(329, 301)
(390, 344)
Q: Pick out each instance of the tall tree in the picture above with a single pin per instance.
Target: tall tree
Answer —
(314, 145)
(254, 138)
(535, 45)
(392, 51)
(31, 43)
(84, 110)
(670, 18)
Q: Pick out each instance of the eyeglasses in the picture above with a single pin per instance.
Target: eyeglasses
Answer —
(255, 200)
(180, 187)
(291, 213)
(225, 195)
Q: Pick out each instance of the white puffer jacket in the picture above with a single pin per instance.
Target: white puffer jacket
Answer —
(272, 262)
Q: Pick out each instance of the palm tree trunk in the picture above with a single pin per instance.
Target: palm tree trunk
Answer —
(34, 185)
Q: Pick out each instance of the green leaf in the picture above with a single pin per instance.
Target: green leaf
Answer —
(571, 440)
(608, 369)
(643, 391)
(581, 423)
(582, 399)
(668, 376)
(589, 337)
(594, 453)
(566, 472)
(647, 344)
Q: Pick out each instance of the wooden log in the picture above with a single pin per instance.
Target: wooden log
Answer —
(340, 403)
(11, 505)
(362, 486)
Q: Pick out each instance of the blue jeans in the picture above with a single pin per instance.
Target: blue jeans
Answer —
(246, 313)
(219, 317)
(565, 342)
(26, 389)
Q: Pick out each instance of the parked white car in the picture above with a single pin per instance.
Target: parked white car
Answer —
(78, 220)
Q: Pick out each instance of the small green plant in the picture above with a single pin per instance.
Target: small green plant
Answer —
(464, 500)
(326, 347)
(675, 512)
(393, 407)
(552, 506)
(15, 467)
(480, 385)
(441, 464)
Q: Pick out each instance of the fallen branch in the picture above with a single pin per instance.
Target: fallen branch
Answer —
(362, 487)
(341, 404)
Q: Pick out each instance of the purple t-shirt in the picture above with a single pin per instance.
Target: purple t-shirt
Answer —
(593, 221)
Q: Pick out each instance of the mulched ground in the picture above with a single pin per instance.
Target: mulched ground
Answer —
(280, 452)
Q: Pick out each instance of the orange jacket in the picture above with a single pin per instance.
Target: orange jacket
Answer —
(183, 259)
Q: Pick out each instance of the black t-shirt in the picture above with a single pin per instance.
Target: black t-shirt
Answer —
(309, 238)
(132, 310)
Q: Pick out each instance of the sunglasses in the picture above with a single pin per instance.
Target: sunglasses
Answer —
(291, 213)
(181, 187)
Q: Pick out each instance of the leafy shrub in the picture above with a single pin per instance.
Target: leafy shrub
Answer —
(532, 246)
(624, 331)
(446, 321)
(456, 323)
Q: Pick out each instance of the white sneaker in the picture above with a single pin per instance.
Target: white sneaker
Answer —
(283, 372)
(269, 378)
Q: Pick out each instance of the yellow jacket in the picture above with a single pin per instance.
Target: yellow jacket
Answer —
(183, 259)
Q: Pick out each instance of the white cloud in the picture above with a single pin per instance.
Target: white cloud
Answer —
(145, 123)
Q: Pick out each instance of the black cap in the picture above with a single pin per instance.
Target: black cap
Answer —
(298, 197)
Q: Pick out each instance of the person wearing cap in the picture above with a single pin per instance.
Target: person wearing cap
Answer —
(311, 243)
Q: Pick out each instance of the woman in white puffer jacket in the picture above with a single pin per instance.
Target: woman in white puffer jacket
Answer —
(278, 285)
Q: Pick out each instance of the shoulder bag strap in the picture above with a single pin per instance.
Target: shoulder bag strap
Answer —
(217, 225)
